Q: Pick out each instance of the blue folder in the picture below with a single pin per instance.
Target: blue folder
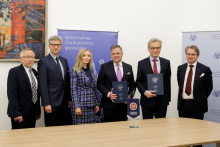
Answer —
(121, 89)
(155, 83)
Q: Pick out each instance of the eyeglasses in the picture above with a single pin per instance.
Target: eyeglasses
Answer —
(27, 57)
(58, 45)
(155, 48)
(193, 55)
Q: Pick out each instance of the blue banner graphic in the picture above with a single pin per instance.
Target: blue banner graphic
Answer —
(209, 46)
(133, 108)
(98, 42)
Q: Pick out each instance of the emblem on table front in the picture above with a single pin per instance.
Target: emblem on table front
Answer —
(133, 106)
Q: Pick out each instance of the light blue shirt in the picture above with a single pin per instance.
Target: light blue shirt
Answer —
(61, 66)
(157, 62)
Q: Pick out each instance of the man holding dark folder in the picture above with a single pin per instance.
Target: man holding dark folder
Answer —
(115, 70)
(154, 105)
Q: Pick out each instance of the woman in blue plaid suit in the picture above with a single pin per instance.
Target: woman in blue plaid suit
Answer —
(84, 92)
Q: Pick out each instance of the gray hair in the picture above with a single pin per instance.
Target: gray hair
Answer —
(193, 47)
(55, 37)
(26, 49)
(154, 40)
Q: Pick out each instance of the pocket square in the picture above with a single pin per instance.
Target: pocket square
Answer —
(128, 73)
(202, 75)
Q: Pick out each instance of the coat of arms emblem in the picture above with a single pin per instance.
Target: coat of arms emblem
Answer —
(120, 87)
(133, 106)
(155, 80)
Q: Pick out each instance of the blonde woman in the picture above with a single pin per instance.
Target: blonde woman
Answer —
(85, 100)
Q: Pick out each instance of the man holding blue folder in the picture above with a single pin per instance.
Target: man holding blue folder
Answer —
(115, 70)
(154, 105)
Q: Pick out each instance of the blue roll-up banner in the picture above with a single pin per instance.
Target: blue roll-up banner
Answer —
(209, 46)
(133, 108)
(99, 42)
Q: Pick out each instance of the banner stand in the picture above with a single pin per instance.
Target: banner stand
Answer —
(133, 110)
(133, 119)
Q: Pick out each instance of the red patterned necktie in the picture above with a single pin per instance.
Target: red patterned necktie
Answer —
(188, 88)
(155, 66)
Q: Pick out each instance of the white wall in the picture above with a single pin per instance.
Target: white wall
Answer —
(137, 21)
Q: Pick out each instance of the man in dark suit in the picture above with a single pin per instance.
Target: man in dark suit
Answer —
(23, 95)
(154, 105)
(54, 84)
(195, 85)
(115, 70)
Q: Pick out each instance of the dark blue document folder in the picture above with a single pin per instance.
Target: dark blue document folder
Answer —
(155, 83)
(121, 89)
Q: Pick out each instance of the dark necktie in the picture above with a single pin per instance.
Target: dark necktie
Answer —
(188, 88)
(33, 87)
(155, 66)
(58, 64)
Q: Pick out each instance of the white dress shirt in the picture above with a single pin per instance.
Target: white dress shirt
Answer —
(29, 76)
(184, 95)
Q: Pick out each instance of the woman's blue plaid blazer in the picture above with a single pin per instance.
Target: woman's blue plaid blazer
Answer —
(84, 92)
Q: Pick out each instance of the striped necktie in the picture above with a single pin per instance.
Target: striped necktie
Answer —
(33, 87)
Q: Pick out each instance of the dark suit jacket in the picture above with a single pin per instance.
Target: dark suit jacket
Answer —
(107, 75)
(20, 93)
(54, 89)
(201, 89)
(144, 68)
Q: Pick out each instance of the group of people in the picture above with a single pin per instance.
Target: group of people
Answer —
(61, 88)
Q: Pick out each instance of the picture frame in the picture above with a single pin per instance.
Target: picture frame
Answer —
(23, 24)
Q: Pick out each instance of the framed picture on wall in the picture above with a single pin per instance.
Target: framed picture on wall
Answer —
(23, 24)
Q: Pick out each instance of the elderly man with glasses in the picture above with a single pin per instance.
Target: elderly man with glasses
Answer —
(154, 106)
(23, 94)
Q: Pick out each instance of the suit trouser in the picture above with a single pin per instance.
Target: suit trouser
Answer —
(29, 121)
(117, 114)
(58, 117)
(158, 110)
(187, 109)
